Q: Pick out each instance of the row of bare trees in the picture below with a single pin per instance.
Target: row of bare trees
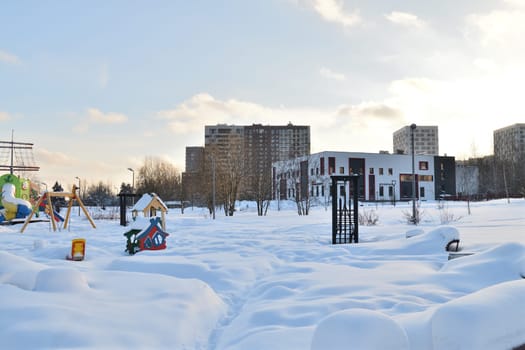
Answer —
(229, 173)
(497, 178)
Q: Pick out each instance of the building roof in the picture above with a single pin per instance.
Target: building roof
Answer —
(148, 200)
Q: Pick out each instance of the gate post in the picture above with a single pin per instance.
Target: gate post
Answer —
(345, 204)
(123, 204)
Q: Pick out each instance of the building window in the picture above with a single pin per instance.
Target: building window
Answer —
(341, 170)
(380, 171)
(429, 178)
(422, 192)
(331, 165)
(381, 191)
(423, 165)
(390, 171)
(371, 171)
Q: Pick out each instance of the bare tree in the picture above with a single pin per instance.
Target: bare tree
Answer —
(160, 177)
(467, 181)
(297, 181)
(258, 184)
(231, 172)
(261, 190)
(226, 166)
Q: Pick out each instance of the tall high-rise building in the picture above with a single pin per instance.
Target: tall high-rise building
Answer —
(265, 144)
(221, 135)
(277, 142)
(426, 140)
(509, 143)
(256, 146)
(224, 145)
(194, 159)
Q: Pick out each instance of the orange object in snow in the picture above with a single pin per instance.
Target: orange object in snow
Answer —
(78, 249)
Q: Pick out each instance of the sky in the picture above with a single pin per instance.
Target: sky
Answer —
(99, 86)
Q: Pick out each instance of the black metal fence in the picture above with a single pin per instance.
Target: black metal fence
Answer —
(345, 216)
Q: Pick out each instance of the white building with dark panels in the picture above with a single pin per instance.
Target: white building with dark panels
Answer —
(383, 177)
(426, 140)
(509, 143)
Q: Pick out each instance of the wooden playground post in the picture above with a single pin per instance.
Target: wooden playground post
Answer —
(49, 195)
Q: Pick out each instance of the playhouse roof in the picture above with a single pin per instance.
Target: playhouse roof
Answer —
(148, 200)
(153, 222)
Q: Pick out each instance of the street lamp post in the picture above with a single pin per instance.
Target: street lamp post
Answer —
(132, 185)
(213, 186)
(76, 177)
(394, 191)
(414, 219)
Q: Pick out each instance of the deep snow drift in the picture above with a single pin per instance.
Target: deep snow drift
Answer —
(274, 282)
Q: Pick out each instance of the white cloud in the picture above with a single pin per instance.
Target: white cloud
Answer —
(8, 58)
(500, 29)
(96, 116)
(329, 74)
(48, 157)
(333, 11)
(466, 110)
(486, 65)
(331, 128)
(516, 3)
(405, 19)
(372, 110)
(4, 116)
(204, 109)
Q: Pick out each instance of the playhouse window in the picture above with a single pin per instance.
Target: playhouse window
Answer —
(158, 239)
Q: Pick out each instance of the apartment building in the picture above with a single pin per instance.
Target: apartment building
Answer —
(426, 140)
(252, 148)
(194, 159)
(509, 143)
(266, 144)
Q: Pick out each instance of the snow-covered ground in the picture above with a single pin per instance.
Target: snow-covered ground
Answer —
(274, 282)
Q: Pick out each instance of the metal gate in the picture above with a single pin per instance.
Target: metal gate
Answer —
(345, 223)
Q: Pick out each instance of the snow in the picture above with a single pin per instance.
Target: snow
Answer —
(359, 329)
(274, 282)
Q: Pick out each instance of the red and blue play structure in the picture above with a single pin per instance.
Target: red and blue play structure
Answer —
(152, 237)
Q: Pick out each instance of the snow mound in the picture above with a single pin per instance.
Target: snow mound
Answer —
(417, 242)
(18, 271)
(414, 232)
(443, 234)
(491, 318)
(60, 280)
(500, 264)
(359, 329)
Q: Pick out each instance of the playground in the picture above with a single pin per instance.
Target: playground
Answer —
(275, 282)
(251, 282)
